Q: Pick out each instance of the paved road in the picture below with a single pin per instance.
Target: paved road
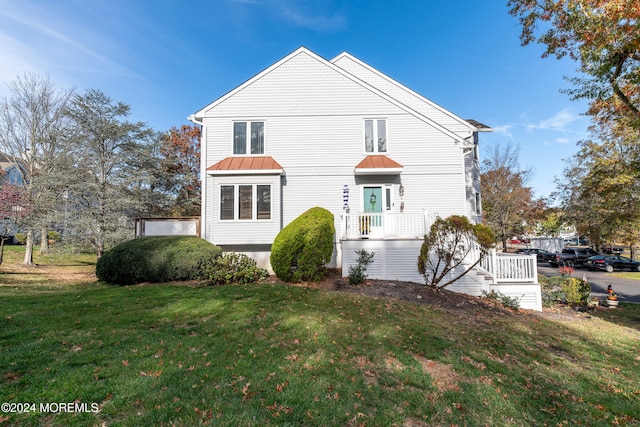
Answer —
(627, 290)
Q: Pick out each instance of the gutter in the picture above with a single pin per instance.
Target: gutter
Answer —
(192, 118)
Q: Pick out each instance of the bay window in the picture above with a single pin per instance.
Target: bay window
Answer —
(245, 202)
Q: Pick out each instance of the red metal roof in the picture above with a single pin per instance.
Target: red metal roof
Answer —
(246, 164)
(378, 162)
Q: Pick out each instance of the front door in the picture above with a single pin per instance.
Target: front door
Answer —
(372, 204)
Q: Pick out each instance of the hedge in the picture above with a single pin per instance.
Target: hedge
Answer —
(156, 259)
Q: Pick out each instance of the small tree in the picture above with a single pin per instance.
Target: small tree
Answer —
(446, 248)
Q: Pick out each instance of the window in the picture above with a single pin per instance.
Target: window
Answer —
(251, 142)
(245, 202)
(478, 206)
(226, 202)
(375, 136)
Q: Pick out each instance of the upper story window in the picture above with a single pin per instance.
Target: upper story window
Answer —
(375, 136)
(248, 138)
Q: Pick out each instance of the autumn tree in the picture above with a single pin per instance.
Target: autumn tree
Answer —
(600, 191)
(452, 248)
(603, 36)
(32, 125)
(507, 202)
(181, 151)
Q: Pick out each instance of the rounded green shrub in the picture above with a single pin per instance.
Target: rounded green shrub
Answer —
(302, 249)
(156, 259)
(233, 268)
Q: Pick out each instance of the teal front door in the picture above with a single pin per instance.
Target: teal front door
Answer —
(372, 199)
(372, 204)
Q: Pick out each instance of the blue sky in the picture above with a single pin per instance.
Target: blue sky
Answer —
(167, 58)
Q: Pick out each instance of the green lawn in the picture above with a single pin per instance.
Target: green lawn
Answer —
(286, 355)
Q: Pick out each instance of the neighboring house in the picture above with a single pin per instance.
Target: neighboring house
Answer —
(341, 135)
(10, 172)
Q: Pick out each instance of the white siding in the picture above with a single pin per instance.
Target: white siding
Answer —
(302, 86)
(314, 128)
(404, 95)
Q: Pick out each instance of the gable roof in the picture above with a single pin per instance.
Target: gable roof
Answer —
(246, 165)
(198, 116)
(397, 90)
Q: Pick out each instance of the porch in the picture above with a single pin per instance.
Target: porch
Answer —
(385, 225)
(396, 240)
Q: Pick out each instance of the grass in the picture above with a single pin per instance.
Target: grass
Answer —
(632, 275)
(286, 355)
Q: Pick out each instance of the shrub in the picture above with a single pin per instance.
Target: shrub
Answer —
(301, 250)
(233, 268)
(21, 238)
(156, 259)
(357, 273)
(505, 300)
(564, 289)
(576, 291)
(53, 236)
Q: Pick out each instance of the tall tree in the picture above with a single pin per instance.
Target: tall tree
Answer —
(148, 177)
(602, 35)
(506, 202)
(181, 148)
(31, 127)
(601, 189)
(101, 147)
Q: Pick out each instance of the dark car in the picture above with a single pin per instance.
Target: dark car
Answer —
(611, 263)
(543, 255)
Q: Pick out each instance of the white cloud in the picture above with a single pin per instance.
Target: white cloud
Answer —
(503, 130)
(562, 140)
(559, 121)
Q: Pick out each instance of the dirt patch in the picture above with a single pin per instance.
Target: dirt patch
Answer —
(421, 294)
(405, 291)
(18, 273)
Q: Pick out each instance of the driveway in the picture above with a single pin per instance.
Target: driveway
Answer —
(627, 290)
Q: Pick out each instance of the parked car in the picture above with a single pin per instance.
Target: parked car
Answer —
(571, 257)
(612, 249)
(611, 263)
(543, 255)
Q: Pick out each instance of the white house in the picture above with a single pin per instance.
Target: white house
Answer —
(342, 135)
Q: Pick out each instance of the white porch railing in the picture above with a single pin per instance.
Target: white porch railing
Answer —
(385, 225)
(510, 268)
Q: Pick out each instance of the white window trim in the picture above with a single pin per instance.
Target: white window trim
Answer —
(375, 133)
(248, 137)
(254, 203)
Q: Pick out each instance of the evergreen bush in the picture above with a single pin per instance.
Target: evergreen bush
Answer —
(358, 272)
(302, 249)
(232, 268)
(156, 259)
